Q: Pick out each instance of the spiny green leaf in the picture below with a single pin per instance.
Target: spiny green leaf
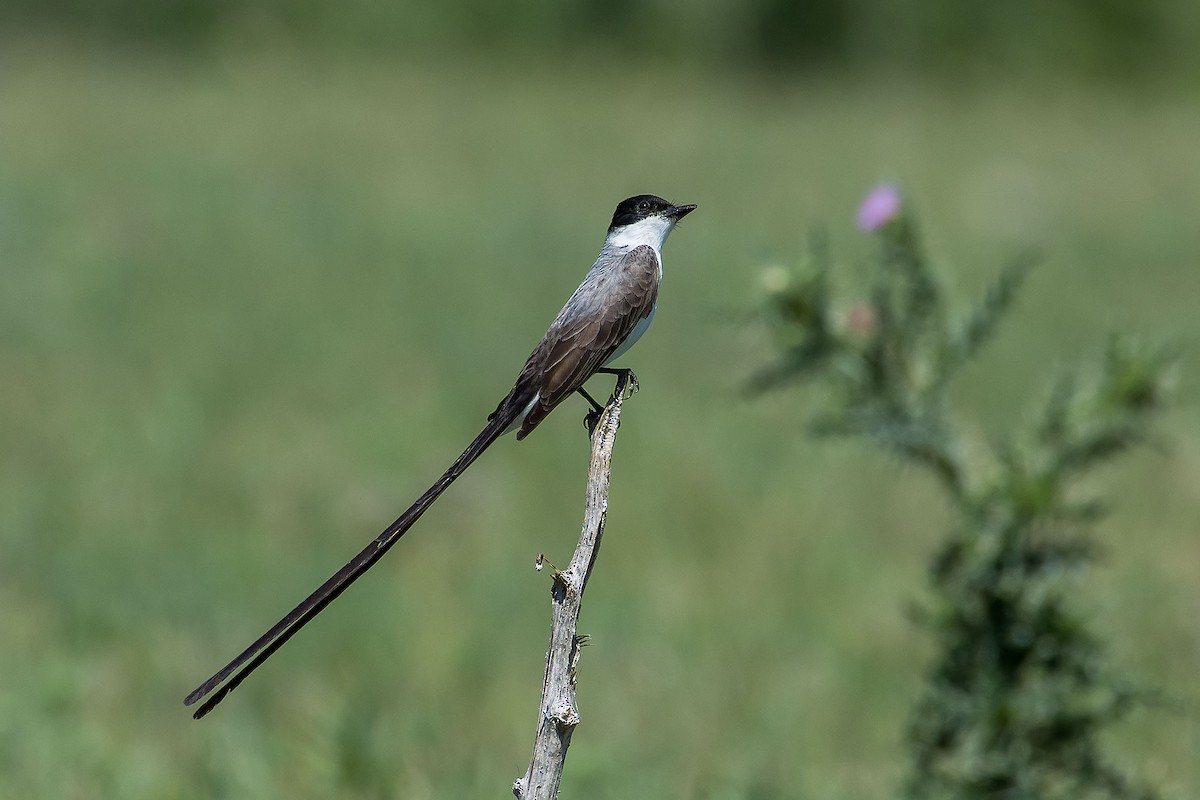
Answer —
(981, 324)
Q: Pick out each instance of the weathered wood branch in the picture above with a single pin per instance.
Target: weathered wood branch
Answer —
(557, 714)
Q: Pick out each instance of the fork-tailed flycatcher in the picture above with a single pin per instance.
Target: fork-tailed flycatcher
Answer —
(609, 311)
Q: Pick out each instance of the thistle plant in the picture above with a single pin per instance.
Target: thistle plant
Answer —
(1019, 690)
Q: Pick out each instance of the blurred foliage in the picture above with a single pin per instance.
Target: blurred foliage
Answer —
(1019, 692)
(1105, 38)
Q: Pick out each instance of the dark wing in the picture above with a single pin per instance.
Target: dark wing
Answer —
(590, 328)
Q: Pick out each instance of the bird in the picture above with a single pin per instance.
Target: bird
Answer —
(607, 314)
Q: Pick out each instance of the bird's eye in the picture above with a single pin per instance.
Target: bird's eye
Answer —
(644, 207)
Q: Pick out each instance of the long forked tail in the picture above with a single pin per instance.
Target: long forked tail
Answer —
(263, 648)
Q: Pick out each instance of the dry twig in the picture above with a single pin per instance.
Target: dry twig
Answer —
(557, 714)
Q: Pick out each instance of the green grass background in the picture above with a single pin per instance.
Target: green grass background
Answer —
(250, 306)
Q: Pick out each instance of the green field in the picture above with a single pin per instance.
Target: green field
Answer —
(251, 306)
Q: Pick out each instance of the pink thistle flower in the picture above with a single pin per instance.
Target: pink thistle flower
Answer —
(861, 320)
(879, 207)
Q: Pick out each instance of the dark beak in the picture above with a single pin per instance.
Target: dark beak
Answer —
(679, 212)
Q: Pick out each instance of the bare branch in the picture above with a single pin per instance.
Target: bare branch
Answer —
(557, 714)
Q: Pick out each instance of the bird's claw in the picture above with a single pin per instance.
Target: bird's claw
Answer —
(632, 388)
(591, 420)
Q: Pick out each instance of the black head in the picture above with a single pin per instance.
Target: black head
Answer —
(642, 206)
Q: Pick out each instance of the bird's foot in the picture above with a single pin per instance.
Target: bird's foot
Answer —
(592, 419)
(627, 381)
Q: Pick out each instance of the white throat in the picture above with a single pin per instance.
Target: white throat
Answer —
(651, 231)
